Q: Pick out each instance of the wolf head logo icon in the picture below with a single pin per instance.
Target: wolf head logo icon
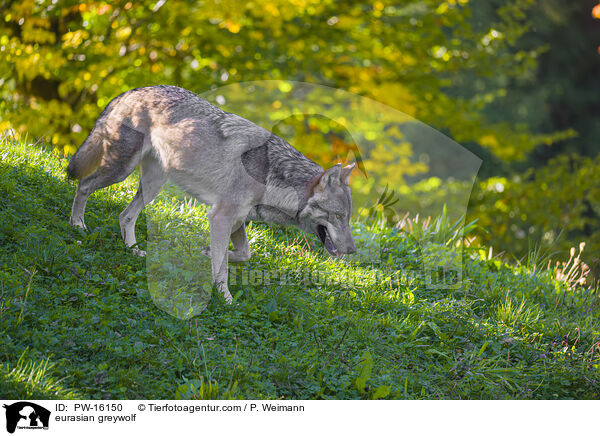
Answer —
(27, 415)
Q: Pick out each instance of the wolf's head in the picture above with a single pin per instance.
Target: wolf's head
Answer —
(328, 209)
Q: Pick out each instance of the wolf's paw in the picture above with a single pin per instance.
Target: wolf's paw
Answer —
(222, 287)
(77, 222)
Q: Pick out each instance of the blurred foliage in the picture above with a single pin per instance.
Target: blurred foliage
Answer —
(553, 191)
(554, 206)
(561, 93)
(61, 62)
(513, 81)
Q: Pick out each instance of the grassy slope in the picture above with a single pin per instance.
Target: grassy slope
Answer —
(77, 319)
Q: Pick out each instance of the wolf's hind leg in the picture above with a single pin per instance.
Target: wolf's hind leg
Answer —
(241, 248)
(151, 181)
(122, 155)
(84, 189)
(103, 177)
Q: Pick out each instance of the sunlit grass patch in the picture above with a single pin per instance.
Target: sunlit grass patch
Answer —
(28, 379)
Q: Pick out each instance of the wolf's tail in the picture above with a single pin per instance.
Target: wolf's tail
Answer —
(87, 158)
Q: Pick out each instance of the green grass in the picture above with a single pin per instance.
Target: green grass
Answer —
(78, 319)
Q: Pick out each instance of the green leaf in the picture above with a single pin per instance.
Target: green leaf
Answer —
(483, 347)
(365, 372)
(437, 330)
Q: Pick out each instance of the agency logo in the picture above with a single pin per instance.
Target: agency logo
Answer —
(26, 415)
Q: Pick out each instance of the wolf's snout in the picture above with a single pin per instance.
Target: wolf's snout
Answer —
(350, 247)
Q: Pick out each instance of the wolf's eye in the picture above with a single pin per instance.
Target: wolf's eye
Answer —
(338, 216)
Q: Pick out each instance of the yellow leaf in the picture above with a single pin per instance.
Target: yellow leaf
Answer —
(441, 9)
(69, 149)
(233, 27)
(489, 141)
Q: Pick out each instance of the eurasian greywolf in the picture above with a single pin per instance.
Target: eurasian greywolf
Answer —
(243, 171)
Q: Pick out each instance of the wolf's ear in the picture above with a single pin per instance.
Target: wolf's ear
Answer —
(345, 174)
(330, 177)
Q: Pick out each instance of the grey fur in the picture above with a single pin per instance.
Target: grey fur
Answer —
(243, 171)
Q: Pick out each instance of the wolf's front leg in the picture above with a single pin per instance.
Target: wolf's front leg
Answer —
(241, 251)
(220, 223)
(241, 248)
